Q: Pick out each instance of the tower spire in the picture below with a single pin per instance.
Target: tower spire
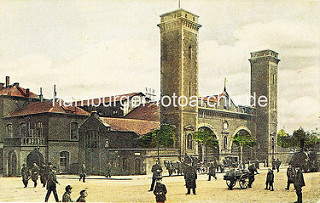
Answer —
(179, 4)
(225, 84)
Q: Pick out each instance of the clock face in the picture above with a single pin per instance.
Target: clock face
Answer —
(225, 125)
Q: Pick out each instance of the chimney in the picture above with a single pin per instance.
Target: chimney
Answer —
(27, 92)
(41, 95)
(54, 91)
(7, 81)
(1, 85)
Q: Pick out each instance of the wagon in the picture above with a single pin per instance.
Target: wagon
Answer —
(232, 176)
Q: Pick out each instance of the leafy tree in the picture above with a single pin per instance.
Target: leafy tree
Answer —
(299, 138)
(164, 136)
(244, 139)
(206, 137)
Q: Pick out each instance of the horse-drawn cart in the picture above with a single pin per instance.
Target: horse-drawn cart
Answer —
(232, 176)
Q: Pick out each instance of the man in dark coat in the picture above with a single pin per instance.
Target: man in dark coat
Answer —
(270, 180)
(83, 195)
(43, 174)
(67, 195)
(291, 173)
(35, 174)
(108, 175)
(190, 177)
(160, 191)
(51, 184)
(25, 173)
(156, 172)
(278, 164)
(252, 171)
(83, 173)
(298, 184)
(273, 163)
(212, 171)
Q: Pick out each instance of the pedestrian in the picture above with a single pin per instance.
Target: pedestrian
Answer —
(252, 172)
(273, 163)
(291, 173)
(51, 183)
(108, 172)
(160, 191)
(67, 195)
(298, 184)
(270, 180)
(35, 174)
(83, 173)
(43, 174)
(83, 195)
(190, 177)
(25, 174)
(212, 171)
(156, 172)
(278, 164)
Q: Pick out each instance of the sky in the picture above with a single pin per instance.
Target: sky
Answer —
(93, 48)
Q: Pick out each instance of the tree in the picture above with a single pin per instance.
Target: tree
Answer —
(243, 139)
(164, 136)
(299, 138)
(206, 137)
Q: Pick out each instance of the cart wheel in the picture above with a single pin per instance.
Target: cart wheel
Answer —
(230, 184)
(243, 184)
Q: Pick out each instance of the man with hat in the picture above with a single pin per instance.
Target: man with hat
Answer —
(190, 177)
(67, 195)
(270, 180)
(156, 172)
(160, 190)
(25, 173)
(51, 183)
(298, 184)
(35, 174)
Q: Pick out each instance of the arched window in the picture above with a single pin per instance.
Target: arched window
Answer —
(39, 129)
(23, 130)
(64, 159)
(225, 142)
(92, 139)
(189, 141)
(9, 132)
(73, 130)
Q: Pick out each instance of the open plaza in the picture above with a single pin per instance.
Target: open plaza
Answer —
(135, 189)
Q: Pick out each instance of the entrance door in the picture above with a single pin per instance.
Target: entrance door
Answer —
(137, 165)
(12, 164)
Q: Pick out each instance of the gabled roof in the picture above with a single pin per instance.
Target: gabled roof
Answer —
(48, 107)
(108, 99)
(213, 98)
(140, 127)
(149, 111)
(17, 91)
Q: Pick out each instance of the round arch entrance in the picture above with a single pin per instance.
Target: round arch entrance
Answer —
(35, 157)
(247, 152)
(208, 153)
(12, 164)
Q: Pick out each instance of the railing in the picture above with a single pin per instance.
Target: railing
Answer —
(24, 141)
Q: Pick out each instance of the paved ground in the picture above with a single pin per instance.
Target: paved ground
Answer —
(134, 189)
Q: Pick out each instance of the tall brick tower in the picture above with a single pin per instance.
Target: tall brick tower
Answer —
(264, 82)
(179, 74)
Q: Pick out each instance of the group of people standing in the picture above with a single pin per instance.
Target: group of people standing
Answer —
(48, 178)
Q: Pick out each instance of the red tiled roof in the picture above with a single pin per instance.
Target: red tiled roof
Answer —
(140, 127)
(115, 98)
(149, 111)
(17, 91)
(48, 107)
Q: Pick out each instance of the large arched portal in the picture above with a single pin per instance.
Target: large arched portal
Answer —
(35, 157)
(243, 139)
(208, 146)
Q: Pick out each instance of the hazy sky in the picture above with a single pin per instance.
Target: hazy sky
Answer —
(102, 48)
